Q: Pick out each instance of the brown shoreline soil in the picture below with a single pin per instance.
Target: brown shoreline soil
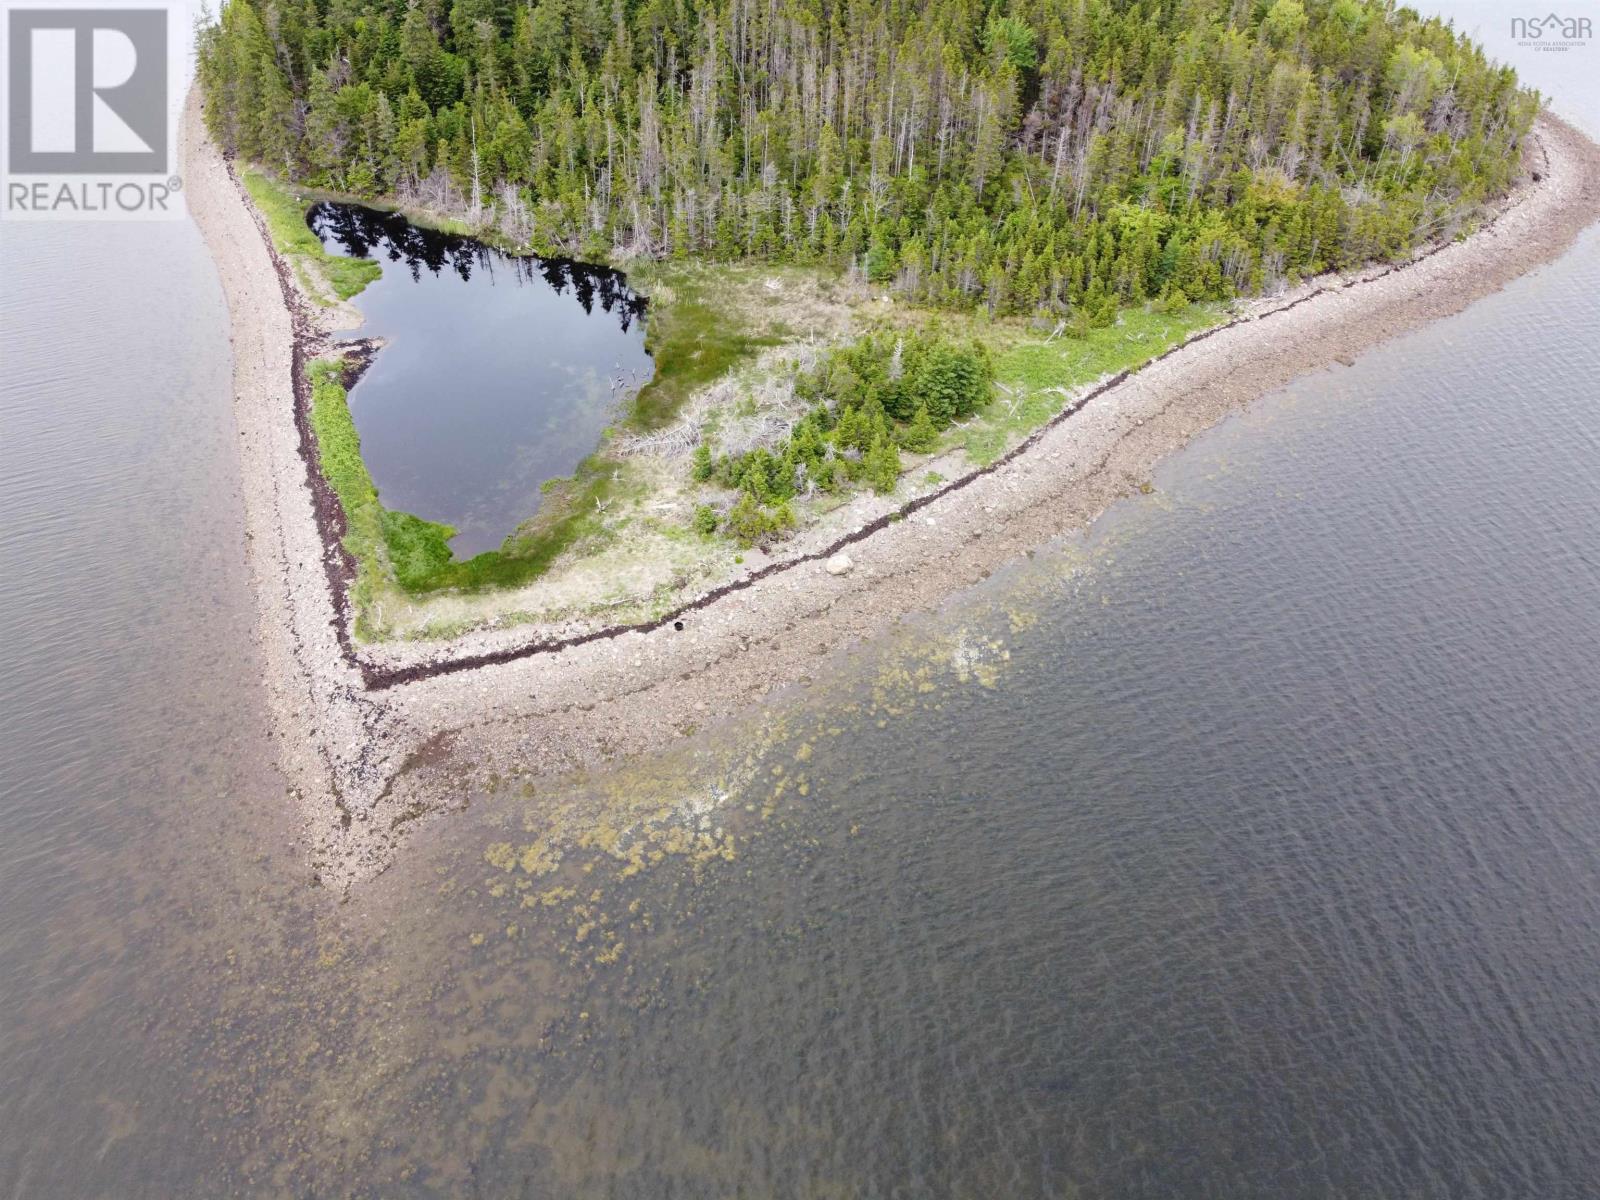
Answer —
(376, 737)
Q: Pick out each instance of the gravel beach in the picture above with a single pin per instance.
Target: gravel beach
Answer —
(377, 740)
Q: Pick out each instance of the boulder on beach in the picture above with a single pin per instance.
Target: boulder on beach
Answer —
(839, 564)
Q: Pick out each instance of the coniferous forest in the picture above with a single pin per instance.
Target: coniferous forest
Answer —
(1033, 156)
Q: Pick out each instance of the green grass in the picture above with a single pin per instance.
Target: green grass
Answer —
(415, 553)
(568, 513)
(1033, 370)
(412, 549)
(349, 275)
(286, 221)
(418, 549)
(387, 544)
(693, 341)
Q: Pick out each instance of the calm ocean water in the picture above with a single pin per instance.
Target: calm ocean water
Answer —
(1249, 847)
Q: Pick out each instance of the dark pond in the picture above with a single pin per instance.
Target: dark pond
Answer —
(1265, 867)
(500, 372)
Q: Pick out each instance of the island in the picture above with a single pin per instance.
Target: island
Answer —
(914, 288)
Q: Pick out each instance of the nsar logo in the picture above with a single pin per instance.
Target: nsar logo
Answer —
(1551, 31)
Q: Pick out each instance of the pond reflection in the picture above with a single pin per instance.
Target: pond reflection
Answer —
(499, 373)
(371, 233)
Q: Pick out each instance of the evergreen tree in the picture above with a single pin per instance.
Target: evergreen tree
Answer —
(1035, 157)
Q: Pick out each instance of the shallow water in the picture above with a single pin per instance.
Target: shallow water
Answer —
(1249, 847)
(500, 373)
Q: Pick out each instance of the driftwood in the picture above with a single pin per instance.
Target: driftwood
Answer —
(673, 442)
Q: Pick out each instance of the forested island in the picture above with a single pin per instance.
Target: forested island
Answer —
(882, 241)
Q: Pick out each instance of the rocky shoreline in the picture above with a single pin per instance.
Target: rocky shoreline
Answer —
(375, 739)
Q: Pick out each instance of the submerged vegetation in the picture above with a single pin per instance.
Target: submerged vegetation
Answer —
(415, 552)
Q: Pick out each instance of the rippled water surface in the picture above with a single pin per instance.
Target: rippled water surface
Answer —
(1249, 847)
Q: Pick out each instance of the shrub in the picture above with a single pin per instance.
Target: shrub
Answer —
(870, 399)
(922, 434)
(881, 466)
(703, 463)
(750, 524)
